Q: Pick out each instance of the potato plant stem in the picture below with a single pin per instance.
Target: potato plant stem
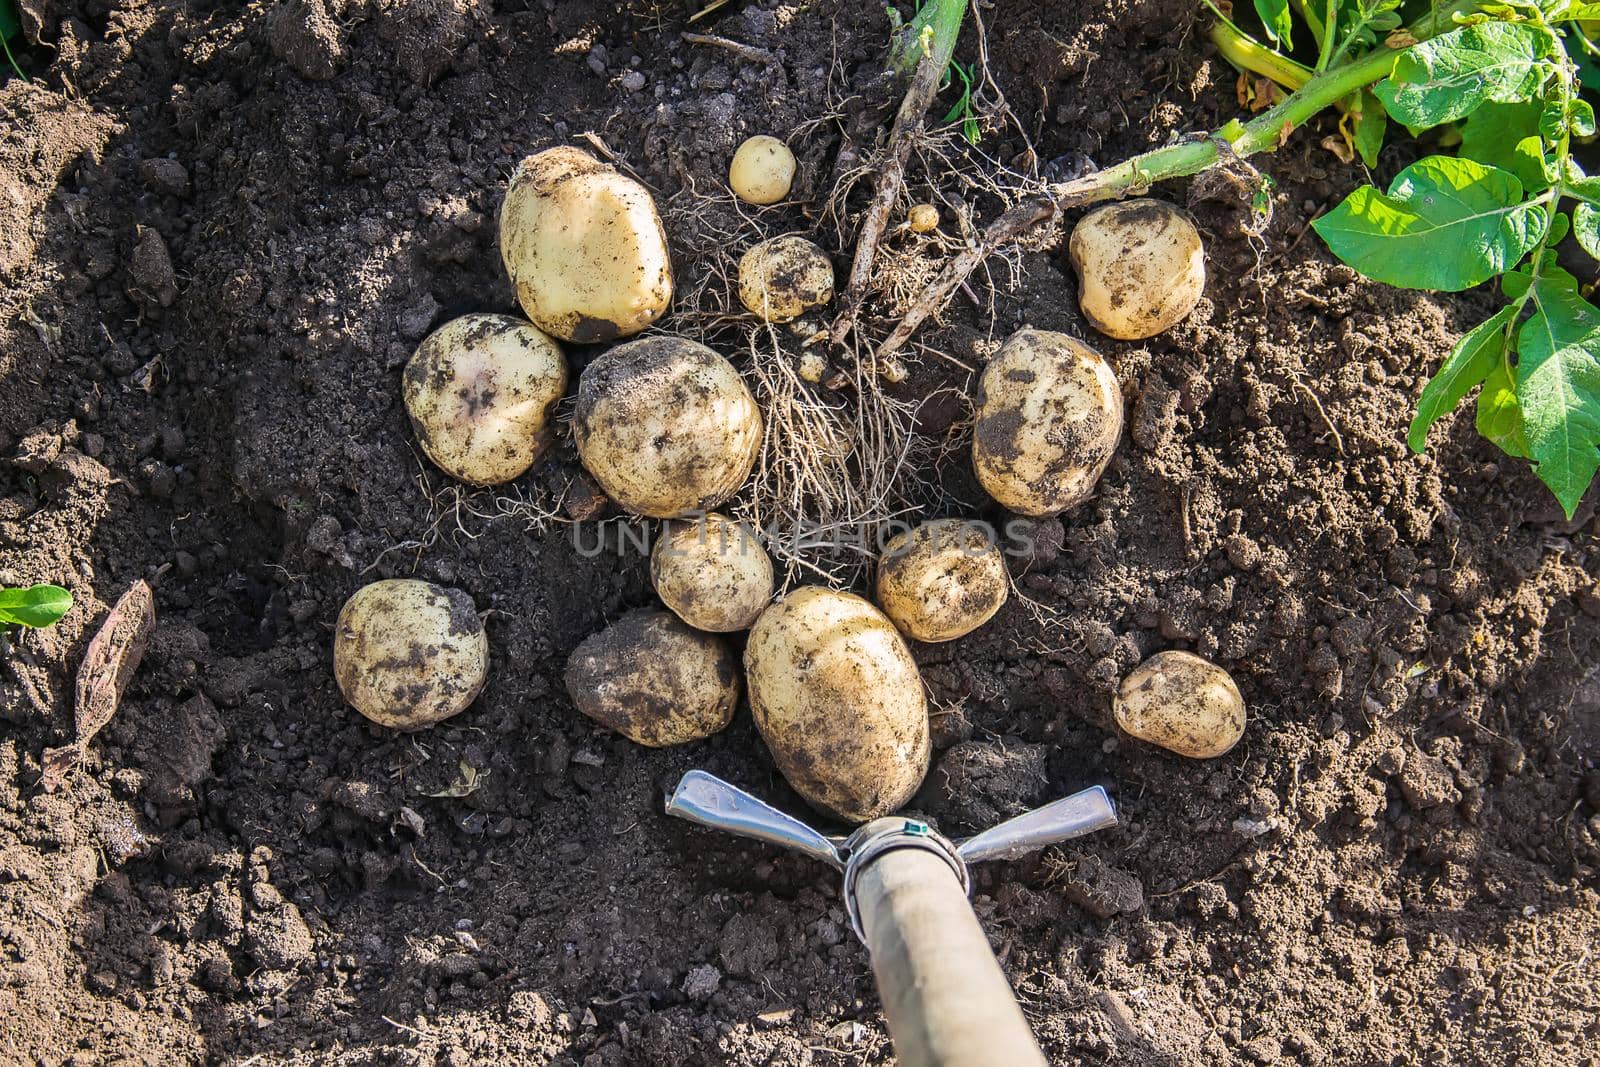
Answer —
(1265, 132)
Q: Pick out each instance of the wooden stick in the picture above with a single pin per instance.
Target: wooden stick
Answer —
(947, 1001)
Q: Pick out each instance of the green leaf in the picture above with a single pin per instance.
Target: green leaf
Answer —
(9, 26)
(1506, 136)
(1446, 223)
(1371, 122)
(1473, 359)
(1499, 419)
(1558, 385)
(37, 605)
(1586, 228)
(1276, 19)
(1450, 76)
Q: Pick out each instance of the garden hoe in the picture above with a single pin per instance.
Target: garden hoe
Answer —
(905, 889)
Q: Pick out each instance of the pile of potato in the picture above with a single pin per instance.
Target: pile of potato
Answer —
(669, 430)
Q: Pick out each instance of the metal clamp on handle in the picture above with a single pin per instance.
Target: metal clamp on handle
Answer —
(886, 835)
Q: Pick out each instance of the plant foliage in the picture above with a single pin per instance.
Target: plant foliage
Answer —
(35, 605)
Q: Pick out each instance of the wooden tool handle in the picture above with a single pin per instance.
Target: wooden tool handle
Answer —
(946, 999)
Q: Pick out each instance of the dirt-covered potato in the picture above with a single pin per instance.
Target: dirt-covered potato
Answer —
(942, 580)
(654, 680)
(666, 426)
(408, 654)
(1181, 702)
(839, 702)
(584, 247)
(1141, 267)
(922, 218)
(1049, 416)
(712, 572)
(762, 170)
(785, 277)
(479, 391)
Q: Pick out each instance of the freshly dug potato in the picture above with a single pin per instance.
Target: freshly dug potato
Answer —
(408, 654)
(942, 580)
(1181, 702)
(712, 572)
(584, 247)
(1049, 416)
(479, 391)
(1141, 267)
(922, 218)
(762, 170)
(654, 680)
(666, 426)
(785, 277)
(838, 700)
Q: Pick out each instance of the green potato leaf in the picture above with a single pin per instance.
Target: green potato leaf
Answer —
(37, 605)
(1586, 228)
(1506, 136)
(1558, 385)
(1371, 121)
(1446, 223)
(1480, 351)
(1450, 76)
(1276, 19)
(1498, 418)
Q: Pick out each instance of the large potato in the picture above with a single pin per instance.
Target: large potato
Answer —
(712, 572)
(762, 170)
(584, 247)
(479, 391)
(408, 654)
(1049, 416)
(1141, 267)
(654, 680)
(785, 277)
(666, 426)
(942, 580)
(1183, 703)
(838, 700)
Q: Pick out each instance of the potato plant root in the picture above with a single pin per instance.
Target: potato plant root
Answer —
(227, 227)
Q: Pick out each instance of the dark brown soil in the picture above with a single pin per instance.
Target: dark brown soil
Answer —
(224, 229)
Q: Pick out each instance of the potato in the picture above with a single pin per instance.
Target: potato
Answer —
(1181, 702)
(712, 572)
(408, 654)
(785, 277)
(666, 426)
(839, 702)
(922, 218)
(584, 247)
(1049, 416)
(1141, 267)
(942, 580)
(655, 681)
(479, 391)
(762, 170)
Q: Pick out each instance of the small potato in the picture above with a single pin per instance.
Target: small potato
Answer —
(712, 572)
(1049, 417)
(942, 580)
(655, 681)
(785, 277)
(666, 426)
(1141, 267)
(479, 391)
(762, 170)
(408, 654)
(584, 247)
(838, 700)
(1181, 702)
(922, 218)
